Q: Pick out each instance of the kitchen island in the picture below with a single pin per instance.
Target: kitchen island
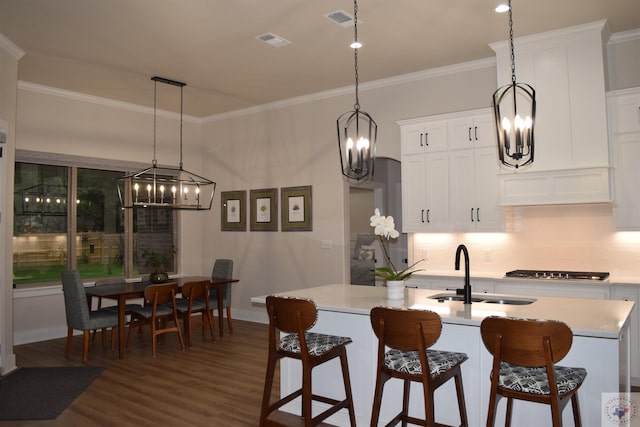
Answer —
(600, 345)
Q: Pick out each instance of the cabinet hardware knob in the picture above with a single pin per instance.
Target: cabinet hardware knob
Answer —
(472, 215)
(428, 216)
(422, 216)
(478, 214)
(426, 138)
(421, 144)
(475, 131)
(470, 134)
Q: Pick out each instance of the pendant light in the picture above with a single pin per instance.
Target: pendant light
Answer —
(162, 186)
(357, 131)
(514, 108)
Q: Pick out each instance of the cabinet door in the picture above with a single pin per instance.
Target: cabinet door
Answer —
(472, 131)
(475, 191)
(413, 193)
(424, 137)
(462, 181)
(630, 293)
(437, 192)
(627, 178)
(489, 214)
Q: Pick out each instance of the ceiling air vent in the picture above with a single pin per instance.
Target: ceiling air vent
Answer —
(273, 40)
(341, 18)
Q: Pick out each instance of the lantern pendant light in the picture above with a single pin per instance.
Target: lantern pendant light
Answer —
(514, 108)
(357, 131)
(163, 186)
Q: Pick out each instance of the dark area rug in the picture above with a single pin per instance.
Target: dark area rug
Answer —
(42, 393)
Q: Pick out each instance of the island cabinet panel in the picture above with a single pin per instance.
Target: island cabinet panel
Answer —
(631, 293)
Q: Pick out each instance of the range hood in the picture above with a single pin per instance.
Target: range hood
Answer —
(567, 70)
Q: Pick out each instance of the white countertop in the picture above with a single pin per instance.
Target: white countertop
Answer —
(586, 317)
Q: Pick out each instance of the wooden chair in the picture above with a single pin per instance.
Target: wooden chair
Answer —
(222, 269)
(408, 334)
(160, 306)
(524, 355)
(295, 317)
(195, 299)
(79, 316)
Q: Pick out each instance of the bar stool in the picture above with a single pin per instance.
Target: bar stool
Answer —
(408, 334)
(295, 316)
(524, 355)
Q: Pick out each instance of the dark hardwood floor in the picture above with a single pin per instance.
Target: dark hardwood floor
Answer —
(211, 384)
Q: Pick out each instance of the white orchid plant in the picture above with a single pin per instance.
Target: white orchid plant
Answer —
(385, 228)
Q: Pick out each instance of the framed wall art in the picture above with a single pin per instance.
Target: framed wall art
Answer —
(264, 209)
(296, 208)
(234, 214)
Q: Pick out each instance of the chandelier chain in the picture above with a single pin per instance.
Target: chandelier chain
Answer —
(181, 100)
(355, 54)
(513, 55)
(155, 99)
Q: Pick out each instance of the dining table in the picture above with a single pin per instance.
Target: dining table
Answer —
(122, 292)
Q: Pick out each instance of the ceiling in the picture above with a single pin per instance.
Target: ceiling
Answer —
(111, 48)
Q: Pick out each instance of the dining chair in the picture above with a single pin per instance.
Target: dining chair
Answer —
(222, 269)
(159, 308)
(525, 353)
(112, 281)
(404, 340)
(80, 316)
(294, 317)
(195, 299)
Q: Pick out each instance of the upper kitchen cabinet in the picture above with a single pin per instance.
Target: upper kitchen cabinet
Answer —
(624, 128)
(567, 70)
(423, 136)
(473, 183)
(425, 197)
(472, 130)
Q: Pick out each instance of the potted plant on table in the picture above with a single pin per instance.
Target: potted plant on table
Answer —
(158, 262)
(385, 229)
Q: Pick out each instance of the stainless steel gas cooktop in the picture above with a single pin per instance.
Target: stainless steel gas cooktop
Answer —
(557, 275)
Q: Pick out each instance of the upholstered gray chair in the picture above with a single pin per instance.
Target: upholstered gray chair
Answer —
(79, 316)
(222, 269)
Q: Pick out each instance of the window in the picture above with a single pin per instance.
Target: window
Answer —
(62, 210)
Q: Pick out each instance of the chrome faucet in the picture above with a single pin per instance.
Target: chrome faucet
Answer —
(466, 291)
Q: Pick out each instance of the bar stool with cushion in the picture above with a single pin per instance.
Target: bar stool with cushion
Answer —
(295, 316)
(525, 353)
(408, 334)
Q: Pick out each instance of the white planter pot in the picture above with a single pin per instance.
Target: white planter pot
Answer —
(395, 289)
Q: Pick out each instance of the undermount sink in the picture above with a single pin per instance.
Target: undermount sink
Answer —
(490, 299)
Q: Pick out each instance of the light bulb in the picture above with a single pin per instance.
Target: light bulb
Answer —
(506, 124)
(502, 8)
(355, 45)
(518, 122)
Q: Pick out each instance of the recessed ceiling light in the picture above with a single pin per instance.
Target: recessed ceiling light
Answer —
(502, 8)
(273, 40)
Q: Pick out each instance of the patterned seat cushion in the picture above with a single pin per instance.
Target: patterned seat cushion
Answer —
(535, 381)
(318, 344)
(408, 362)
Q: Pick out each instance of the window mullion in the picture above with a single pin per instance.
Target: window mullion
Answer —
(72, 210)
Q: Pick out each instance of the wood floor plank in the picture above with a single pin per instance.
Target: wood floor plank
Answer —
(211, 384)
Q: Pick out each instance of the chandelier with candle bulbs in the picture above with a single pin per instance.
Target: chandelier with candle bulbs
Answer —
(164, 186)
(514, 108)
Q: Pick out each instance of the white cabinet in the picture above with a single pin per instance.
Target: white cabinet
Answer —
(424, 136)
(624, 134)
(567, 70)
(474, 194)
(450, 173)
(631, 293)
(476, 130)
(561, 289)
(425, 198)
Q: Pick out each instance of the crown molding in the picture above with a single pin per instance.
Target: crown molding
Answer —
(77, 96)
(10, 47)
(375, 84)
